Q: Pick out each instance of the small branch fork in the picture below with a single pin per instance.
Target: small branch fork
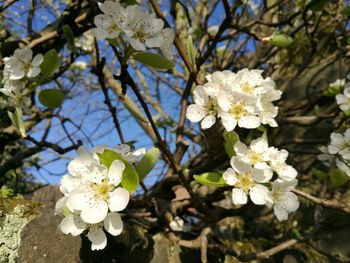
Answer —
(201, 242)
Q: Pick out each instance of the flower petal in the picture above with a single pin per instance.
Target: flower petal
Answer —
(95, 211)
(115, 172)
(195, 113)
(229, 176)
(72, 225)
(239, 197)
(113, 224)
(258, 194)
(98, 238)
(208, 121)
(119, 199)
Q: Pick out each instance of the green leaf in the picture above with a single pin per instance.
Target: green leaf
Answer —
(230, 139)
(317, 5)
(51, 63)
(338, 177)
(51, 98)
(320, 174)
(147, 162)
(281, 40)
(130, 179)
(153, 60)
(69, 36)
(211, 178)
(17, 121)
(191, 50)
(332, 90)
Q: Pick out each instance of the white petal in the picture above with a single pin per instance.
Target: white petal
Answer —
(195, 113)
(119, 199)
(99, 33)
(239, 166)
(60, 204)
(262, 174)
(229, 176)
(239, 197)
(98, 239)
(113, 224)
(72, 225)
(258, 194)
(280, 213)
(290, 202)
(115, 172)
(95, 211)
(37, 60)
(240, 148)
(259, 145)
(79, 198)
(33, 72)
(228, 121)
(249, 122)
(208, 121)
(287, 172)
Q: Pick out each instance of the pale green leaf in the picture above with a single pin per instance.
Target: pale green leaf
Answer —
(153, 60)
(51, 98)
(147, 162)
(210, 178)
(51, 63)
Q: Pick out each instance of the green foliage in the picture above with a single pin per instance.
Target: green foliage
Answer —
(69, 36)
(281, 40)
(17, 121)
(230, 139)
(338, 177)
(320, 174)
(130, 178)
(191, 50)
(333, 90)
(51, 98)
(317, 5)
(211, 178)
(148, 162)
(153, 60)
(51, 63)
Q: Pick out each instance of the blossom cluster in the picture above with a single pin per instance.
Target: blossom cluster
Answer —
(338, 151)
(253, 167)
(141, 29)
(343, 100)
(243, 98)
(20, 67)
(93, 195)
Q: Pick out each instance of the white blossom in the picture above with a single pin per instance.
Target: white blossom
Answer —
(343, 100)
(108, 24)
(167, 37)
(237, 109)
(205, 107)
(142, 29)
(255, 155)
(92, 195)
(95, 198)
(277, 161)
(74, 225)
(22, 64)
(246, 181)
(340, 144)
(282, 199)
(243, 99)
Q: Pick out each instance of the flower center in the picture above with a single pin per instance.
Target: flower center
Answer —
(212, 106)
(113, 28)
(94, 226)
(102, 190)
(27, 66)
(237, 110)
(276, 196)
(141, 35)
(245, 182)
(254, 157)
(246, 87)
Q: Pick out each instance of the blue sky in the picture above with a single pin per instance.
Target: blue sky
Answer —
(86, 108)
